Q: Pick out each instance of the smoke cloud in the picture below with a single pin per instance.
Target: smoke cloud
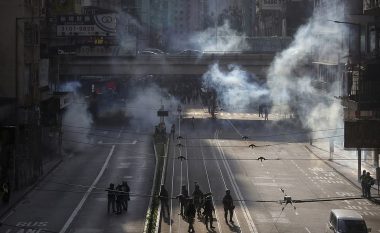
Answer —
(292, 81)
(235, 87)
(144, 102)
(220, 39)
(76, 115)
(290, 77)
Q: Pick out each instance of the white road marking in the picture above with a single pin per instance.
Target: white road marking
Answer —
(118, 143)
(307, 229)
(245, 210)
(88, 192)
(7, 216)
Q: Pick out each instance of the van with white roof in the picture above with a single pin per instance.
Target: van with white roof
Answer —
(346, 221)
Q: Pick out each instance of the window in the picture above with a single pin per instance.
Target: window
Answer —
(333, 220)
(352, 226)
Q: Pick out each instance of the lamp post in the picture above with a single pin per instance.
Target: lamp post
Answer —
(359, 36)
(358, 26)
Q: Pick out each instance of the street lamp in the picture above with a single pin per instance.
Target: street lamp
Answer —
(359, 63)
(359, 35)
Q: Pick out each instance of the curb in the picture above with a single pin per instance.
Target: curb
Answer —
(163, 176)
(150, 210)
(354, 184)
(28, 190)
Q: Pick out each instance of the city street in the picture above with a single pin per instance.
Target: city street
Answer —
(114, 112)
(73, 197)
(218, 159)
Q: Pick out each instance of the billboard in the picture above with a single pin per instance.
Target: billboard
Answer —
(362, 134)
(86, 25)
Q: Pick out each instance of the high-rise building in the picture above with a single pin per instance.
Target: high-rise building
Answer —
(271, 20)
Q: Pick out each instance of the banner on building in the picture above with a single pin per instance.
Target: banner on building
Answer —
(107, 51)
(86, 25)
(362, 134)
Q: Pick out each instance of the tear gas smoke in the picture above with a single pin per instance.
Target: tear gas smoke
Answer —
(76, 114)
(143, 104)
(235, 88)
(290, 78)
(222, 39)
(291, 81)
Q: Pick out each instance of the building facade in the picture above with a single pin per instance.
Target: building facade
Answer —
(362, 96)
(24, 82)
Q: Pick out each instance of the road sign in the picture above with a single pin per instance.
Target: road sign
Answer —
(86, 25)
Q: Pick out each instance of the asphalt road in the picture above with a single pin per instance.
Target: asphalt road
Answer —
(218, 159)
(72, 198)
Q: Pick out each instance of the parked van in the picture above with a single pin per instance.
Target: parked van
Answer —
(346, 221)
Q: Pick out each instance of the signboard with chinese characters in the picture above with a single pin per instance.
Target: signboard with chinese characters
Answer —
(86, 25)
(100, 51)
(362, 134)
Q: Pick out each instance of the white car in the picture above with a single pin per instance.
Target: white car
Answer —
(346, 221)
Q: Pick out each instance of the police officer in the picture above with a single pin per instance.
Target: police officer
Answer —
(126, 197)
(208, 209)
(198, 198)
(228, 205)
(190, 214)
(111, 198)
(164, 198)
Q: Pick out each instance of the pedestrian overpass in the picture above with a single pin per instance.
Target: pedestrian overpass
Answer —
(161, 64)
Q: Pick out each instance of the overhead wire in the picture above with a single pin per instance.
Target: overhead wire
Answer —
(105, 190)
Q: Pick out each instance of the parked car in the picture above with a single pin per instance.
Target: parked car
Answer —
(150, 51)
(190, 52)
(346, 221)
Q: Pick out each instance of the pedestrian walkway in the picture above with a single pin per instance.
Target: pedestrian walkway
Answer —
(345, 163)
(18, 195)
(199, 111)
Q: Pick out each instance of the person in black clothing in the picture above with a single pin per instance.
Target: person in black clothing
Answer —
(190, 214)
(363, 182)
(164, 198)
(111, 197)
(370, 181)
(119, 199)
(172, 131)
(126, 198)
(228, 205)
(208, 209)
(198, 198)
(183, 197)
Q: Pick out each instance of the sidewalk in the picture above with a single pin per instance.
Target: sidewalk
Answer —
(17, 196)
(345, 164)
